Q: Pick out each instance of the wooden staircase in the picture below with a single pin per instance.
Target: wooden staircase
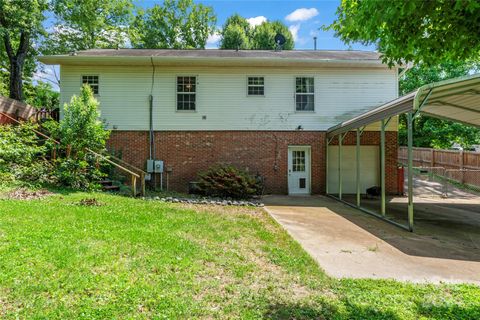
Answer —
(108, 186)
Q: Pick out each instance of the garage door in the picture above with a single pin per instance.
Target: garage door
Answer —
(369, 168)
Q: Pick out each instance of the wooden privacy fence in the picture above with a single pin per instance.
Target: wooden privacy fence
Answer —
(456, 165)
(448, 159)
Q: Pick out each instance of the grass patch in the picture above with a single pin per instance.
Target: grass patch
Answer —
(130, 258)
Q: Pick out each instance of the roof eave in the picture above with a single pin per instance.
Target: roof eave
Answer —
(224, 61)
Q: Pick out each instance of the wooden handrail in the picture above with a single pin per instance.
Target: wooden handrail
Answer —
(36, 131)
(115, 164)
(141, 173)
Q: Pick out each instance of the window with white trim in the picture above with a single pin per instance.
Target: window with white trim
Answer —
(256, 86)
(304, 94)
(186, 93)
(92, 81)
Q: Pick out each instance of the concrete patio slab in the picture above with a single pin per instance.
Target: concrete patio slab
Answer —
(350, 244)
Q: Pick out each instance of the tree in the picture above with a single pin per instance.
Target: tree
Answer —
(178, 24)
(20, 26)
(430, 132)
(264, 36)
(234, 37)
(88, 24)
(237, 33)
(430, 32)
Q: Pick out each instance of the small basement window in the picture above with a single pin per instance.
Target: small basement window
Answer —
(92, 81)
(186, 93)
(304, 94)
(256, 86)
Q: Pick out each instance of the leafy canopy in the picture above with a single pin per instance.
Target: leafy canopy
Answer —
(430, 132)
(237, 33)
(88, 24)
(412, 31)
(177, 24)
(20, 26)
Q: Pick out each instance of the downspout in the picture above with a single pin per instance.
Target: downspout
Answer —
(150, 99)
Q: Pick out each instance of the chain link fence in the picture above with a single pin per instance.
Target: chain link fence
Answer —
(440, 182)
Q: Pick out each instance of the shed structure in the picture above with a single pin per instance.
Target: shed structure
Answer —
(456, 99)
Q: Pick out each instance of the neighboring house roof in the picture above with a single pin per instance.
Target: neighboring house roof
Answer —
(217, 57)
(16, 108)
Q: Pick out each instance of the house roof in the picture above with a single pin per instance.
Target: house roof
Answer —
(217, 57)
(455, 99)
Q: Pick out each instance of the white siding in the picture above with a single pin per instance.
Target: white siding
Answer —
(340, 94)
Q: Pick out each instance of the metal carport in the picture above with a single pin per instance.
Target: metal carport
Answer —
(456, 99)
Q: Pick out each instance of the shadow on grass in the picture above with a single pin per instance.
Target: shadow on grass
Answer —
(326, 311)
(353, 311)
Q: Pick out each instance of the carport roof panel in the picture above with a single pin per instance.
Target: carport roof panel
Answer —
(456, 99)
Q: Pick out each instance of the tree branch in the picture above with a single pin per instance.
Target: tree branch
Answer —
(23, 46)
(6, 37)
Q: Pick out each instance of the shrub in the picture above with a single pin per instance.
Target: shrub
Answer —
(22, 158)
(80, 127)
(228, 181)
(79, 130)
(78, 174)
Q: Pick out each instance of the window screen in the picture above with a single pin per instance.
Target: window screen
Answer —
(92, 81)
(186, 93)
(256, 86)
(304, 94)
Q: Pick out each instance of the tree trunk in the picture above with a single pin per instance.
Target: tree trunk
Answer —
(17, 61)
(16, 84)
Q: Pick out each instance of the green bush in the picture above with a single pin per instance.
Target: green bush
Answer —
(78, 174)
(22, 157)
(228, 181)
(23, 154)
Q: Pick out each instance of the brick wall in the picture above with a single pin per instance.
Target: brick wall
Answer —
(265, 152)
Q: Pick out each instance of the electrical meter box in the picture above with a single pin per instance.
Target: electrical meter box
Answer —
(158, 166)
(154, 166)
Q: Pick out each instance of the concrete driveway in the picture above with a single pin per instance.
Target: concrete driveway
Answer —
(350, 244)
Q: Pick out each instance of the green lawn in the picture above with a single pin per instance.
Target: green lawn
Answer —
(138, 259)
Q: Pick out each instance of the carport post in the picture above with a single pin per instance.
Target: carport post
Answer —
(357, 149)
(382, 166)
(410, 169)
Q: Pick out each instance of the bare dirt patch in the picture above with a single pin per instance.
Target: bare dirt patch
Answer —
(89, 202)
(25, 194)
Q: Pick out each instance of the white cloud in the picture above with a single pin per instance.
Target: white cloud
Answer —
(294, 30)
(255, 21)
(213, 40)
(302, 14)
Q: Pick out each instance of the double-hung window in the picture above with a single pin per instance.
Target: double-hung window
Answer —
(92, 81)
(256, 86)
(304, 94)
(186, 93)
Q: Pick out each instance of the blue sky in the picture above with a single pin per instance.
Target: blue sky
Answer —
(304, 18)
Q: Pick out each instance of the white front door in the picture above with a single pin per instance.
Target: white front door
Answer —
(299, 170)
